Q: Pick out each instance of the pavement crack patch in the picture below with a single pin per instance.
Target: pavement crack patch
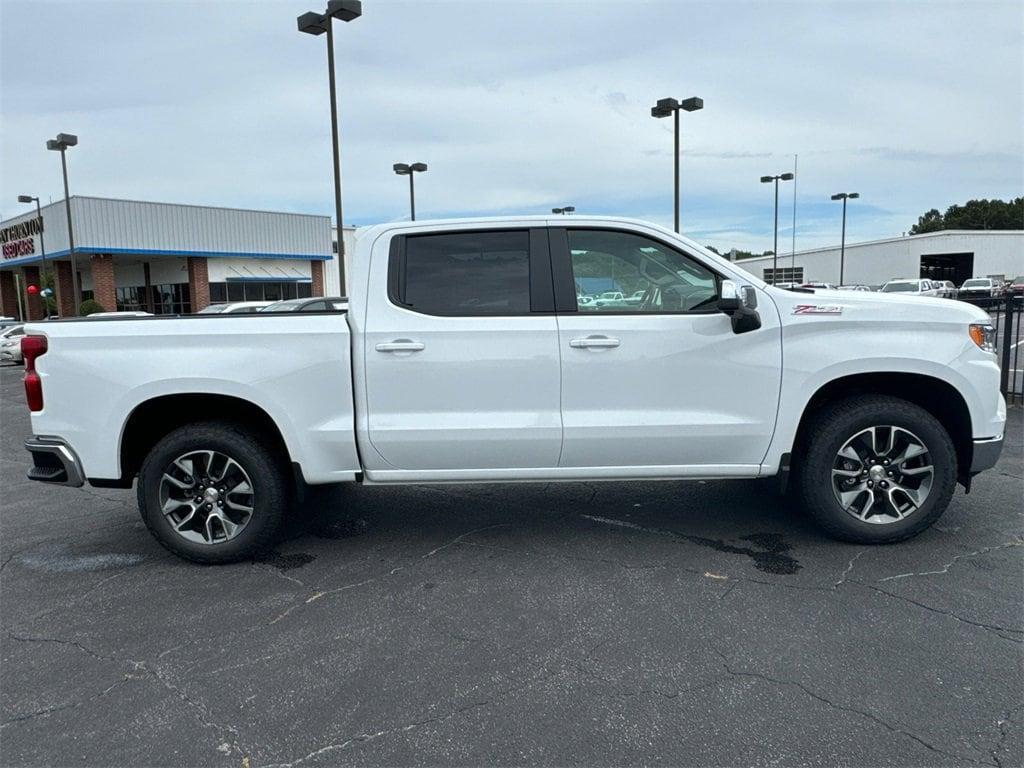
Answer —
(768, 551)
(995, 628)
(458, 539)
(842, 708)
(363, 738)
(202, 712)
(849, 568)
(1018, 542)
(1004, 732)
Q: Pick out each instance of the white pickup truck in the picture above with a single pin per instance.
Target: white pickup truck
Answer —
(463, 356)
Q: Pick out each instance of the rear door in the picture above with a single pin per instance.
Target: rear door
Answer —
(461, 357)
(663, 381)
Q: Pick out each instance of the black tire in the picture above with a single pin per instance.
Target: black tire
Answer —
(826, 435)
(266, 470)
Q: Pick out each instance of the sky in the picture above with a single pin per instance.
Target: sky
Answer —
(518, 107)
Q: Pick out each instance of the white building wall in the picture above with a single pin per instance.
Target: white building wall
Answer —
(995, 252)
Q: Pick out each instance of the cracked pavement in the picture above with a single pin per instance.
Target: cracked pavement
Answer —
(572, 624)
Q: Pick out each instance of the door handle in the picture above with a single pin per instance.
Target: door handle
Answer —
(594, 341)
(400, 345)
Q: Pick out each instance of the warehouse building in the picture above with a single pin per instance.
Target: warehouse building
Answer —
(164, 258)
(955, 255)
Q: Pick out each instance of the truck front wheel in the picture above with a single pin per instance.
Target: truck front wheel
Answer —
(211, 492)
(876, 469)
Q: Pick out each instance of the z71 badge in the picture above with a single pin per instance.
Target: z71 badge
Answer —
(817, 309)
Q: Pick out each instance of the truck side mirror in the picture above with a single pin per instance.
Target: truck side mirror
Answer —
(740, 303)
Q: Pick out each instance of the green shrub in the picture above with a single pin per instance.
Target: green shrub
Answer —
(90, 306)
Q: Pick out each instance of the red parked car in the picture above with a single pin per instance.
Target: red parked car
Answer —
(1016, 286)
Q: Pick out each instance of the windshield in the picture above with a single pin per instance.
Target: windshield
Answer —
(1019, 279)
(976, 284)
(900, 288)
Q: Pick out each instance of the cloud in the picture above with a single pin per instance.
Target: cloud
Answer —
(518, 107)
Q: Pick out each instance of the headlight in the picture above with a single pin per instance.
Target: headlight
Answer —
(984, 335)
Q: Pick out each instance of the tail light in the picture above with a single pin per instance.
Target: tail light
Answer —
(31, 348)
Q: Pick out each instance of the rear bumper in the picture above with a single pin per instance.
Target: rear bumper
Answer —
(986, 454)
(53, 461)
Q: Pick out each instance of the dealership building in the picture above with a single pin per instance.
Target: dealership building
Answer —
(164, 258)
(955, 255)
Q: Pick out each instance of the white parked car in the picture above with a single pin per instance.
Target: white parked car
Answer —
(314, 304)
(234, 307)
(464, 356)
(10, 344)
(979, 287)
(127, 313)
(911, 287)
(853, 288)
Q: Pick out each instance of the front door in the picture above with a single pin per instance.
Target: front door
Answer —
(461, 358)
(652, 373)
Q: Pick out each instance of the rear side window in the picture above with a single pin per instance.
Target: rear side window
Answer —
(466, 273)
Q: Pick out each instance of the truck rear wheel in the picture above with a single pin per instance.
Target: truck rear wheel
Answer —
(876, 469)
(211, 492)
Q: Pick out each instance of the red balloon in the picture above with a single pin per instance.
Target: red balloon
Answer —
(32, 290)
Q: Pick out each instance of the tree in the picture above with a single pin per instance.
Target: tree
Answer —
(974, 214)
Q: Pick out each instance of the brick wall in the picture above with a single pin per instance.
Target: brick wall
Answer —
(8, 295)
(33, 302)
(103, 281)
(65, 288)
(198, 283)
(316, 268)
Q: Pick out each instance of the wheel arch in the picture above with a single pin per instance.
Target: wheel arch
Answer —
(938, 397)
(154, 418)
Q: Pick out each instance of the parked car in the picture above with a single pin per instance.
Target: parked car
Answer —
(856, 287)
(946, 288)
(1016, 286)
(7, 322)
(127, 313)
(979, 287)
(464, 358)
(911, 286)
(233, 307)
(10, 344)
(315, 304)
(818, 285)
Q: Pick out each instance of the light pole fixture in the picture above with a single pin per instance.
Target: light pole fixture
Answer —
(61, 144)
(42, 244)
(775, 250)
(664, 108)
(565, 211)
(410, 170)
(844, 196)
(313, 23)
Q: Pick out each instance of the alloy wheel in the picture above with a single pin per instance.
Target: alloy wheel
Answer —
(206, 496)
(882, 474)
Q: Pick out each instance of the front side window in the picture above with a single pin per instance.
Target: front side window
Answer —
(467, 273)
(625, 272)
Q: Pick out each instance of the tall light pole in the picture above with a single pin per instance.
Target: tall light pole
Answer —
(564, 211)
(410, 170)
(42, 247)
(61, 144)
(313, 23)
(775, 249)
(664, 108)
(844, 196)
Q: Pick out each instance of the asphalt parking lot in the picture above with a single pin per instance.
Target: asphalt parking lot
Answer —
(603, 624)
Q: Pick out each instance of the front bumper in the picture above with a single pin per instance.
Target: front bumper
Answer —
(986, 454)
(53, 461)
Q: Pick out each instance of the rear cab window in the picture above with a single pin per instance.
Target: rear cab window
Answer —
(474, 273)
